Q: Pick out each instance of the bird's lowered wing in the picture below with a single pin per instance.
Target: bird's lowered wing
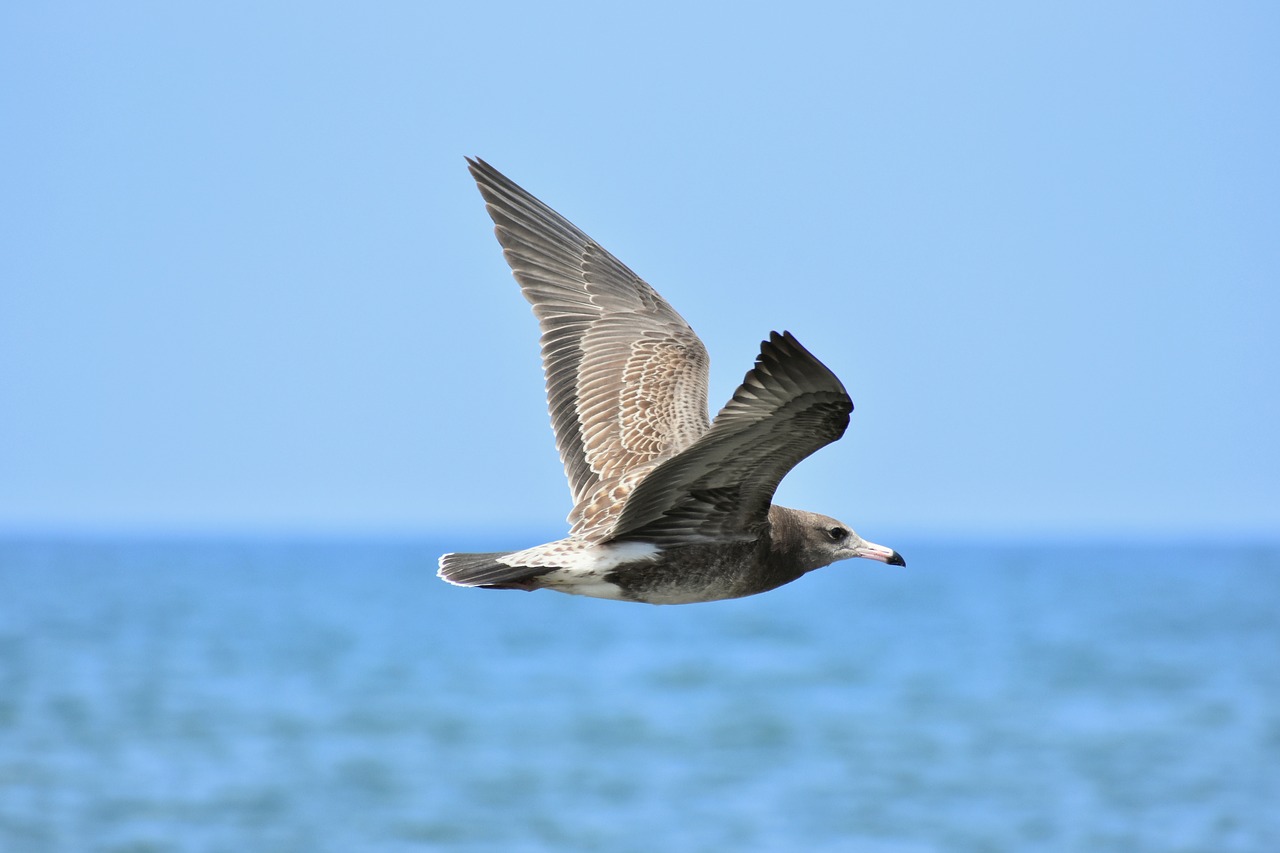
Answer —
(788, 406)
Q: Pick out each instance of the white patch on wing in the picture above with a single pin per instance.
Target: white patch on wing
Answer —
(604, 558)
(579, 567)
(576, 555)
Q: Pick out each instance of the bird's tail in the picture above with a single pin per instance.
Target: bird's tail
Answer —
(485, 570)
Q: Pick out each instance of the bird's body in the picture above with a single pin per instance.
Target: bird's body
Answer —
(670, 506)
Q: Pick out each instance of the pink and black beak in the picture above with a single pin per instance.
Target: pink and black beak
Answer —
(872, 551)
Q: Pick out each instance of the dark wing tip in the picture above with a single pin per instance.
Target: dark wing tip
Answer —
(783, 355)
(787, 343)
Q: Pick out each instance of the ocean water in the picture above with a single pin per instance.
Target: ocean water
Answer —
(335, 696)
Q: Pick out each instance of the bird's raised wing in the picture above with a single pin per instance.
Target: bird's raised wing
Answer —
(720, 489)
(626, 376)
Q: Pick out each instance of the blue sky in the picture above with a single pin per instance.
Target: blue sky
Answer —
(246, 283)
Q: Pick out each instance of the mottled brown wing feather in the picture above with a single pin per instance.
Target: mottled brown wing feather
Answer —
(788, 406)
(626, 376)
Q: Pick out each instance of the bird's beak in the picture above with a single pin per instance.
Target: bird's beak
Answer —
(872, 551)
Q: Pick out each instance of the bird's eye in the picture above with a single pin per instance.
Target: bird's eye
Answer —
(837, 534)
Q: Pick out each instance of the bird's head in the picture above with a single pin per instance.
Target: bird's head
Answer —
(824, 540)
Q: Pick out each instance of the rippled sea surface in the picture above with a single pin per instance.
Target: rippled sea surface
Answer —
(273, 696)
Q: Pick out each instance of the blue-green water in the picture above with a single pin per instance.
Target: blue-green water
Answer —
(337, 697)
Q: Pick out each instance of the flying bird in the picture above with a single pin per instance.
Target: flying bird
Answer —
(670, 507)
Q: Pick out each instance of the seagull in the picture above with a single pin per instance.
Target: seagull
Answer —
(669, 506)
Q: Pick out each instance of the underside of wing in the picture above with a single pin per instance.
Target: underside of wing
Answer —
(788, 406)
(626, 376)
